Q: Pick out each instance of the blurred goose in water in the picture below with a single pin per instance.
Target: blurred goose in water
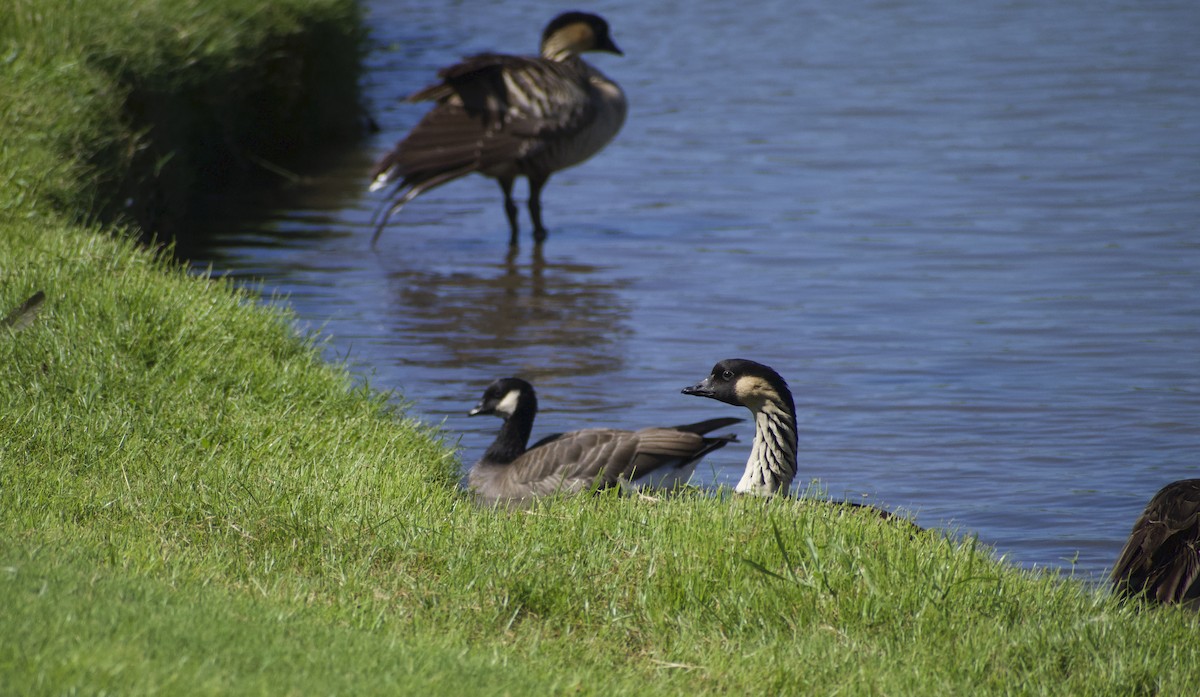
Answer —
(567, 463)
(772, 463)
(1161, 560)
(509, 116)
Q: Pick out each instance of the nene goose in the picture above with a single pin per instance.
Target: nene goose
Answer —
(566, 463)
(1161, 560)
(772, 463)
(509, 116)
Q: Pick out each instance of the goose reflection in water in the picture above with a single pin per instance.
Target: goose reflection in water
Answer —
(557, 317)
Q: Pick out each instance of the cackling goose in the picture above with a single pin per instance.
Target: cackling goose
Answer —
(567, 463)
(509, 116)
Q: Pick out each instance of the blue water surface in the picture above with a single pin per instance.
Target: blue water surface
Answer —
(966, 233)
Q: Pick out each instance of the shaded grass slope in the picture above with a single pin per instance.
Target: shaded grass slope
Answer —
(193, 502)
(124, 111)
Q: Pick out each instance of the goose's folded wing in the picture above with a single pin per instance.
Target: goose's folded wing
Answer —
(703, 427)
(1176, 566)
(446, 140)
(494, 109)
(600, 457)
(668, 447)
(575, 461)
(1162, 555)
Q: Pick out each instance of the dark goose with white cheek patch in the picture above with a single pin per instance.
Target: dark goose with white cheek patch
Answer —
(577, 461)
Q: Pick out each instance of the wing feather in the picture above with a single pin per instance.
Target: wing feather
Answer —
(492, 110)
(1162, 556)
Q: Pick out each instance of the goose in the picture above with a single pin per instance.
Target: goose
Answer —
(508, 116)
(772, 463)
(1161, 560)
(567, 463)
(737, 381)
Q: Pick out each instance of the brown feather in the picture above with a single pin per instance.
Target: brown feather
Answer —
(591, 458)
(1161, 559)
(509, 116)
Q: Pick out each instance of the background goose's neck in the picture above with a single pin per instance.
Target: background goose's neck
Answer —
(556, 53)
(772, 463)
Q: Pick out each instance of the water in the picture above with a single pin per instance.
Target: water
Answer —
(965, 233)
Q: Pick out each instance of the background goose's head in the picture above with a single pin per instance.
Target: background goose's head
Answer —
(744, 383)
(505, 397)
(576, 32)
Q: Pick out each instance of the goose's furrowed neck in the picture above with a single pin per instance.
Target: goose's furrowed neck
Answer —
(772, 463)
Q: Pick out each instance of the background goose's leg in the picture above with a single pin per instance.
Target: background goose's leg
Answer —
(536, 182)
(510, 209)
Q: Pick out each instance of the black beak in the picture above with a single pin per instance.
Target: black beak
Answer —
(701, 390)
(479, 409)
(610, 46)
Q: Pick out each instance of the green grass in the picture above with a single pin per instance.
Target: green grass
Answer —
(119, 111)
(193, 502)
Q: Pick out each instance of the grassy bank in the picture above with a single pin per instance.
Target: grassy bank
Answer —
(192, 502)
(120, 111)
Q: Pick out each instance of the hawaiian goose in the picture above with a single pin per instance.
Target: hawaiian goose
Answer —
(1161, 560)
(567, 463)
(509, 116)
(772, 463)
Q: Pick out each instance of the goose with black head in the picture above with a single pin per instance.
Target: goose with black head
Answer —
(512, 474)
(771, 466)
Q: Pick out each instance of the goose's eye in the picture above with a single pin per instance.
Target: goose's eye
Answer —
(727, 375)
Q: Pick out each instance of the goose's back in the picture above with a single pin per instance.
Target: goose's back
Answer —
(580, 460)
(506, 115)
(1162, 555)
